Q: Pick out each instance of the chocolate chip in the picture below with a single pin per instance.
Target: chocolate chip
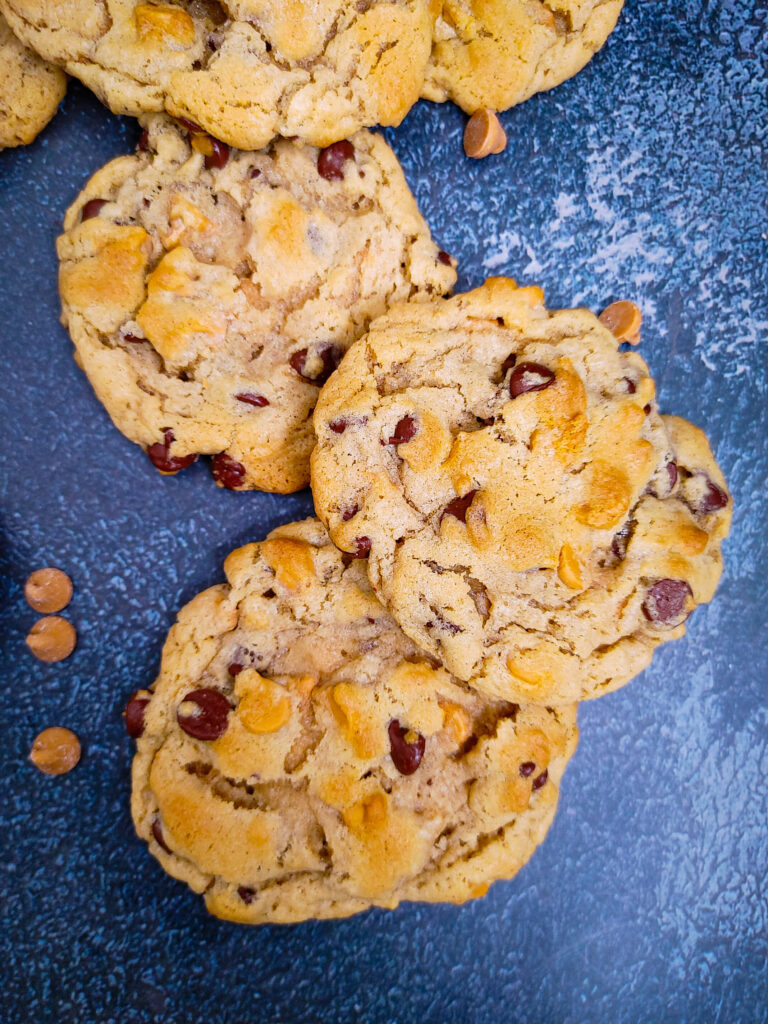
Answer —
(631, 386)
(255, 172)
(269, 593)
(190, 126)
(458, 507)
(713, 498)
(406, 754)
(331, 160)
(251, 398)
(527, 768)
(508, 364)
(227, 472)
(161, 458)
(218, 156)
(362, 546)
(672, 474)
(647, 409)
(209, 722)
(330, 355)
(530, 377)
(349, 513)
(246, 894)
(134, 714)
(92, 208)
(143, 145)
(540, 780)
(235, 668)
(157, 832)
(338, 426)
(665, 601)
(444, 257)
(620, 542)
(134, 339)
(404, 430)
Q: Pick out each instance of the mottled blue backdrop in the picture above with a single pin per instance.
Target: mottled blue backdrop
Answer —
(646, 177)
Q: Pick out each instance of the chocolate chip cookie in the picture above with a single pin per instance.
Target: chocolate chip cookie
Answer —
(31, 91)
(210, 292)
(528, 516)
(496, 53)
(245, 70)
(298, 756)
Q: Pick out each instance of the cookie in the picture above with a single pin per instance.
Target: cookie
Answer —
(299, 757)
(497, 53)
(245, 70)
(31, 91)
(530, 518)
(209, 292)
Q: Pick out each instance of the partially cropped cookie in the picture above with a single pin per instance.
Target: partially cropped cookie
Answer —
(496, 53)
(299, 757)
(245, 70)
(210, 292)
(30, 91)
(529, 518)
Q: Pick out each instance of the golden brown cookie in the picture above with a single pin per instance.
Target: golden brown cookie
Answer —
(210, 292)
(31, 91)
(497, 53)
(245, 70)
(299, 757)
(530, 518)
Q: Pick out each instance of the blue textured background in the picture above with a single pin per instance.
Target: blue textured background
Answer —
(643, 177)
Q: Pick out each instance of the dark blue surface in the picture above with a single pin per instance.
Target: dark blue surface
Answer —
(644, 177)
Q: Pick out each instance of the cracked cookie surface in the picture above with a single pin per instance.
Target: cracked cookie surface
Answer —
(530, 518)
(300, 757)
(245, 70)
(209, 292)
(497, 53)
(31, 91)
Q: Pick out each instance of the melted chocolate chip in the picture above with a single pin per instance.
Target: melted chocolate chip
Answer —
(527, 768)
(444, 257)
(665, 601)
(134, 339)
(620, 542)
(330, 161)
(458, 507)
(530, 377)
(134, 715)
(218, 156)
(246, 894)
(235, 668)
(209, 722)
(338, 426)
(647, 409)
(508, 364)
(362, 546)
(631, 386)
(405, 429)
(161, 458)
(349, 513)
(251, 398)
(227, 472)
(330, 356)
(92, 208)
(540, 780)
(190, 126)
(713, 498)
(157, 832)
(672, 474)
(406, 754)
(143, 145)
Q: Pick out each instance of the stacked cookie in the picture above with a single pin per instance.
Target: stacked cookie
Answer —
(388, 717)
(380, 702)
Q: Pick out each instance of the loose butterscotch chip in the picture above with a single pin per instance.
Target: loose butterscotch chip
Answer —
(56, 751)
(48, 590)
(484, 135)
(52, 639)
(624, 320)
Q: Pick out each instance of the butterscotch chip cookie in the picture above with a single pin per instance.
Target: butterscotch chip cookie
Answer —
(496, 53)
(299, 757)
(245, 70)
(532, 521)
(210, 292)
(31, 90)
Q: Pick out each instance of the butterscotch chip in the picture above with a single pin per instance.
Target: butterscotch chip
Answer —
(554, 528)
(310, 761)
(52, 639)
(624, 320)
(48, 590)
(56, 751)
(484, 135)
